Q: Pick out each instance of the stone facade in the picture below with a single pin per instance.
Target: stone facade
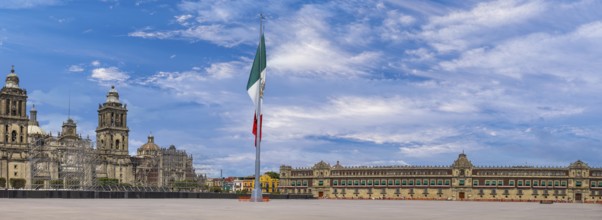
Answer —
(13, 130)
(67, 160)
(162, 167)
(461, 181)
(112, 136)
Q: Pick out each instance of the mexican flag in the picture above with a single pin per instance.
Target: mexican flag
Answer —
(256, 84)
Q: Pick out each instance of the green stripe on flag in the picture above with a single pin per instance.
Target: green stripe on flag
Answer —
(259, 64)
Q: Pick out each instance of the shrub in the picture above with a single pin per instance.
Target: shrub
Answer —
(56, 184)
(2, 182)
(17, 183)
(108, 181)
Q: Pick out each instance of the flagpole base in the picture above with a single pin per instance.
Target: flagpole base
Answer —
(256, 196)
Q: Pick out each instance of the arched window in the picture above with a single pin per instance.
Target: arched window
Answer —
(14, 136)
(117, 144)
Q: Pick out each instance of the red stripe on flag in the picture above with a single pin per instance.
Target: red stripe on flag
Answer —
(255, 127)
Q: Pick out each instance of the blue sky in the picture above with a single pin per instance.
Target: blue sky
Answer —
(362, 82)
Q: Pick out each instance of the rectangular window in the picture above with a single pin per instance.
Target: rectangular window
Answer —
(543, 183)
(369, 182)
(487, 183)
(363, 182)
(425, 182)
(578, 183)
(403, 182)
(475, 182)
(556, 183)
(305, 183)
(376, 182)
(390, 182)
(447, 182)
(439, 182)
(528, 183)
(511, 182)
(520, 183)
(500, 183)
(418, 182)
(461, 182)
(320, 183)
(397, 182)
(355, 183)
(293, 183)
(493, 182)
(536, 182)
(550, 183)
(563, 183)
(600, 184)
(349, 182)
(592, 183)
(335, 182)
(411, 182)
(433, 182)
(343, 182)
(383, 182)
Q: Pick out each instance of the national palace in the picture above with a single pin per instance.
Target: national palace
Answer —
(33, 158)
(461, 181)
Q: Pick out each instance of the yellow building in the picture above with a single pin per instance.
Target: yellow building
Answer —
(268, 184)
(461, 181)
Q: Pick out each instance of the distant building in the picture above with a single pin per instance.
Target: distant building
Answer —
(461, 181)
(268, 184)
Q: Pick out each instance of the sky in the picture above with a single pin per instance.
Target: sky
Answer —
(507, 82)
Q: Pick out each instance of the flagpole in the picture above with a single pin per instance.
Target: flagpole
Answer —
(257, 196)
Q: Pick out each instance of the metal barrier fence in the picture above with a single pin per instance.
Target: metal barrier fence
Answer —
(76, 194)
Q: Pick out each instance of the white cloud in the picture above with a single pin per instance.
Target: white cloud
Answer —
(460, 30)
(430, 150)
(76, 68)
(109, 75)
(309, 50)
(95, 63)
(202, 85)
(394, 26)
(215, 33)
(572, 55)
(19, 4)
(183, 19)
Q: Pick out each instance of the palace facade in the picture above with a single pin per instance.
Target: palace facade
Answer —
(33, 158)
(461, 181)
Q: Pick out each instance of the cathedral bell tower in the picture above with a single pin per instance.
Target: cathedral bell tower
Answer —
(13, 117)
(13, 130)
(112, 131)
(112, 140)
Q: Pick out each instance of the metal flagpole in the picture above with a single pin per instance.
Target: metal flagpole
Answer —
(257, 195)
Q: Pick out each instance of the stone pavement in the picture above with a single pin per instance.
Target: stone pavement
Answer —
(113, 209)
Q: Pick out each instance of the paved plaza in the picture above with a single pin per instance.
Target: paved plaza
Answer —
(112, 209)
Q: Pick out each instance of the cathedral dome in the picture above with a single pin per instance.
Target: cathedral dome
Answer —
(150, 146)
(35, 130)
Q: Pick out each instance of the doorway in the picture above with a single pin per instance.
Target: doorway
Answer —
(320, 194)
(461, 195)
(578, 197)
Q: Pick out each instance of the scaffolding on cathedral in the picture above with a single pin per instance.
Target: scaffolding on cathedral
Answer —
(61, 164)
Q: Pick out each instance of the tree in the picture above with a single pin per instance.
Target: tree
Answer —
(273, 174)
(2, 182)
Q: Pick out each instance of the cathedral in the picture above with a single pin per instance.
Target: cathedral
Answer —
(33, 158)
